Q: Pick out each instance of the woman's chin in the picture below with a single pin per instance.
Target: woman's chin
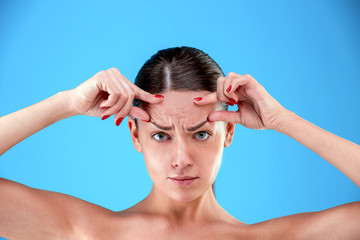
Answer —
(184, 196)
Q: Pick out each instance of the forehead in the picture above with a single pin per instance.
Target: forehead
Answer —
(179, 106)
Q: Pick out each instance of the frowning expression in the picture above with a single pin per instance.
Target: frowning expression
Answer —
(179, 142)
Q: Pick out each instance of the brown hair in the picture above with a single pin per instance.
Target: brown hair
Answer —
(178, 68)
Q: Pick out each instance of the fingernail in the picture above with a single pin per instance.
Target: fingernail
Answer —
(233, 100)
(230, 103)
(229, 88)
(119, 121)
(147, 121)
(198, 99)
(105, 117)
(159, 96)
(103, 107)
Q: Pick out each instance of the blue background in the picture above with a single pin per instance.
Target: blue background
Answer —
(305, 53)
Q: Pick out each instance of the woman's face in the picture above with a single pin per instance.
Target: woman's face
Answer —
(179, 141)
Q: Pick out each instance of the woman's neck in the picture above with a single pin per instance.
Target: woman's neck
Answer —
(202, 209)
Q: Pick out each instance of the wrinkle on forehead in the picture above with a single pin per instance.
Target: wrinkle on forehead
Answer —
(178, 108)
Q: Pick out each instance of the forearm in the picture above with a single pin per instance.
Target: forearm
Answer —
(341, 153)
(19, 125)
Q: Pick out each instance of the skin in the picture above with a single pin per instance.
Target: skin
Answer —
(171, 211)
(193, 153)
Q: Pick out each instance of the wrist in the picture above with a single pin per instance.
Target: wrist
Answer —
(287, 118)
(64, 103)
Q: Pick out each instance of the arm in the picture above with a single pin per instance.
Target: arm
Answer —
(258, 110)
(29, 213)
(19, 125)
(109, 88)
(341, 153)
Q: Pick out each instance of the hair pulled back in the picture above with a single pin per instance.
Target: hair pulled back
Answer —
(178, 68)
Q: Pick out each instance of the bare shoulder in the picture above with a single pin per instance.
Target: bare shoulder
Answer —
(30, 213)
(340, 222)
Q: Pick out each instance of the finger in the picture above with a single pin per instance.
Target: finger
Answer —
(207, 99)
(229, 88)
(124, 91)
(116, 107)
(124, 111)
(113, 92)
(127, 95)
(116, 78)
(235, 83)
(108, 87)
(220, 91)
(136, 112)
(145, 96)
(112, 99)
(225, 116)
(103, 98)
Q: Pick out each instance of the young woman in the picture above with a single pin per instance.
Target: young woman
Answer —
(178, 119)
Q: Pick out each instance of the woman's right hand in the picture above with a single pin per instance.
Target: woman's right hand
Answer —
(107, 93)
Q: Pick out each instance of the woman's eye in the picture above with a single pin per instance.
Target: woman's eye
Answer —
(160, 136)
(202, 135)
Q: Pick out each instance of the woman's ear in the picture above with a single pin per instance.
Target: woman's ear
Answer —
(134, 134)
(230, 129)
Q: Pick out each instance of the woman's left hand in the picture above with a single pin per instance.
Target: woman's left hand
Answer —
(256, 108)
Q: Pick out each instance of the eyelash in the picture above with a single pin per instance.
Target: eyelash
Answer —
(209, 135)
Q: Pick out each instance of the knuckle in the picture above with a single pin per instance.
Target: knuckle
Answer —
(113, 97)
(232, 74)
(105, 75)
(102, 73)
(124, 96)
(114, 69)
(247, 75)
(117, 93)
(132, 95)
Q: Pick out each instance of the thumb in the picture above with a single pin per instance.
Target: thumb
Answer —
(136, 112)
(225, 116)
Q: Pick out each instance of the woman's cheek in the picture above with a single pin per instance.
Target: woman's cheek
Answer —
(155, 162)
(211, 155)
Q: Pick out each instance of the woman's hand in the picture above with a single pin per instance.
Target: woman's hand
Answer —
(107, 93)
(256, 108)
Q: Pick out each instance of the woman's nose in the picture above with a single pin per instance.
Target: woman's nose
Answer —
(181, 156)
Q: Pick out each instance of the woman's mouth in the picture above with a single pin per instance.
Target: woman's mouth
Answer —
(185, 180)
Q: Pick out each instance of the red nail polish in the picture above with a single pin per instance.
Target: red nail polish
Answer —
(233, 100)
(105, 117)
(147, 121)
(230, 103)
(229, 88)
(119, 121)
(198, 98)
(103, 107)
(159, 96)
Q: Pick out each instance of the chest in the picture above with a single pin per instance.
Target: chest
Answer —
(149, 232)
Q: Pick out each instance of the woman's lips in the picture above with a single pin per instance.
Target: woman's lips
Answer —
(183, 180)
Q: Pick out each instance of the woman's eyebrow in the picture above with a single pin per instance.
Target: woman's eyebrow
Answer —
(190, 129)
(197, 126)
